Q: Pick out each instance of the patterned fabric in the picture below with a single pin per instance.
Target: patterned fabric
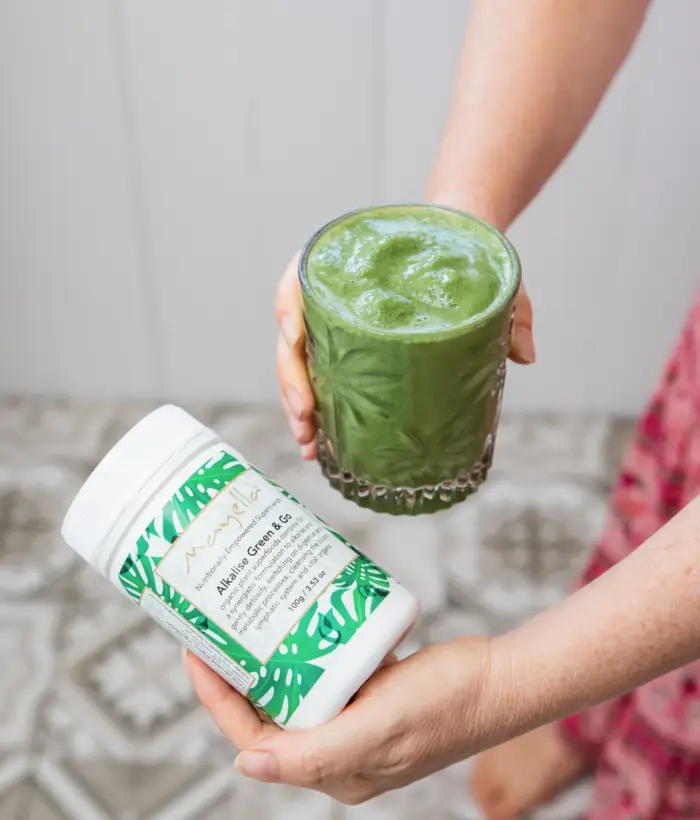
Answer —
(646, 745)
(97, 718)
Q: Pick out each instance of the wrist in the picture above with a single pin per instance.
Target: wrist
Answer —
(473, 201)
(510, 703)
(487, 700)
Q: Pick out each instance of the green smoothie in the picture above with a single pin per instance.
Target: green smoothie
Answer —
(408, 312)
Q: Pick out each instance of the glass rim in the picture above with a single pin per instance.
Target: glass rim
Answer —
(504, 297)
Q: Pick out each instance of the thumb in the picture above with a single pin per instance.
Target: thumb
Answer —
(259, 765)
(522, 345)
(312, 758)
(297, 758)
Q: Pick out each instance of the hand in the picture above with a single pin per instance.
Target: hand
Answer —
(411, 719)
(522, 344)
(297, 398)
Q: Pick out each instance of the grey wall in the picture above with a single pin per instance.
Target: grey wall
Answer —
(161, 160)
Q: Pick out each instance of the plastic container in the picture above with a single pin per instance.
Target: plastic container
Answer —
(236, 569)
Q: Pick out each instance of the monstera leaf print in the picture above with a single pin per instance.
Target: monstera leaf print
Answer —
(291, 673)
(197, 492)
(369, 585)
(138, 574)
(280, 684)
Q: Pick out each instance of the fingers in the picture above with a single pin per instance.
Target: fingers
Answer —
(298, 401)
(288, 304)
(308, 451)
(302, 431)
(522, 345)
(234, 716)
(316, 759)
(329, 758)
(297, 398)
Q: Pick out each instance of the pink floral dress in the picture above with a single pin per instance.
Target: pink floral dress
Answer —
(646, 745)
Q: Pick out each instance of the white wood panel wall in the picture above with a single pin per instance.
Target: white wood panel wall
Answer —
(160, 161)
(72, 313)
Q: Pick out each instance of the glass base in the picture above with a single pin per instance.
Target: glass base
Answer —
(403, 500)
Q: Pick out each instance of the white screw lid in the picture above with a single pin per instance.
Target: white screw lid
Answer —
(121, 475)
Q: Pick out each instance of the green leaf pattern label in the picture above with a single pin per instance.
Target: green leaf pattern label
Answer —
(280, 684)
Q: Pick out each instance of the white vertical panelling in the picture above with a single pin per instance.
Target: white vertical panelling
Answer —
(160, 204)
(253, 122)
(659, 242)
(608, 248)
(568, 241)
(422, 46)
(70, 298)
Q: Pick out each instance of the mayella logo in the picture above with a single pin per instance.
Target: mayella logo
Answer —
(236, 511)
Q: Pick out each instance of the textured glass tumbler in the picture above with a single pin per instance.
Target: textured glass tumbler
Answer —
(406, 423)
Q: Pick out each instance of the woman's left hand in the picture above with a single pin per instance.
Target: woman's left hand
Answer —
(411, 719)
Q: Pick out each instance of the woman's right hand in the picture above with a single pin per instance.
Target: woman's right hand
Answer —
(439, 706)
(292, 374)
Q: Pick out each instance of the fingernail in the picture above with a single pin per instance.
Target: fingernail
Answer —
(308, 451)
(290, 331)
(300, 430)
(183, 655)
(258, 765)
(295, 402)
(524, 344)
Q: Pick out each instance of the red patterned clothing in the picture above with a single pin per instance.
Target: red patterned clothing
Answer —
(646, 745)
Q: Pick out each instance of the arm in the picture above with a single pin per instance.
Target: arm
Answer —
(638, 621)
(447, 702)
(530, 78)
(531, 75)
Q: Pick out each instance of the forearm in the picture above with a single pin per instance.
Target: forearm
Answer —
(530, 77)
(636, 622)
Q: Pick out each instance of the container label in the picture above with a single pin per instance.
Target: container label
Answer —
(253, 562)
(189, 636)
(252, 582)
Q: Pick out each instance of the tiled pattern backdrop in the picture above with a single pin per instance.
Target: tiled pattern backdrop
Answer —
(97, 719)
(160, 161)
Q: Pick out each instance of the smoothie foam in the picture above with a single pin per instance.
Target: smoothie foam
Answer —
(409, 270)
